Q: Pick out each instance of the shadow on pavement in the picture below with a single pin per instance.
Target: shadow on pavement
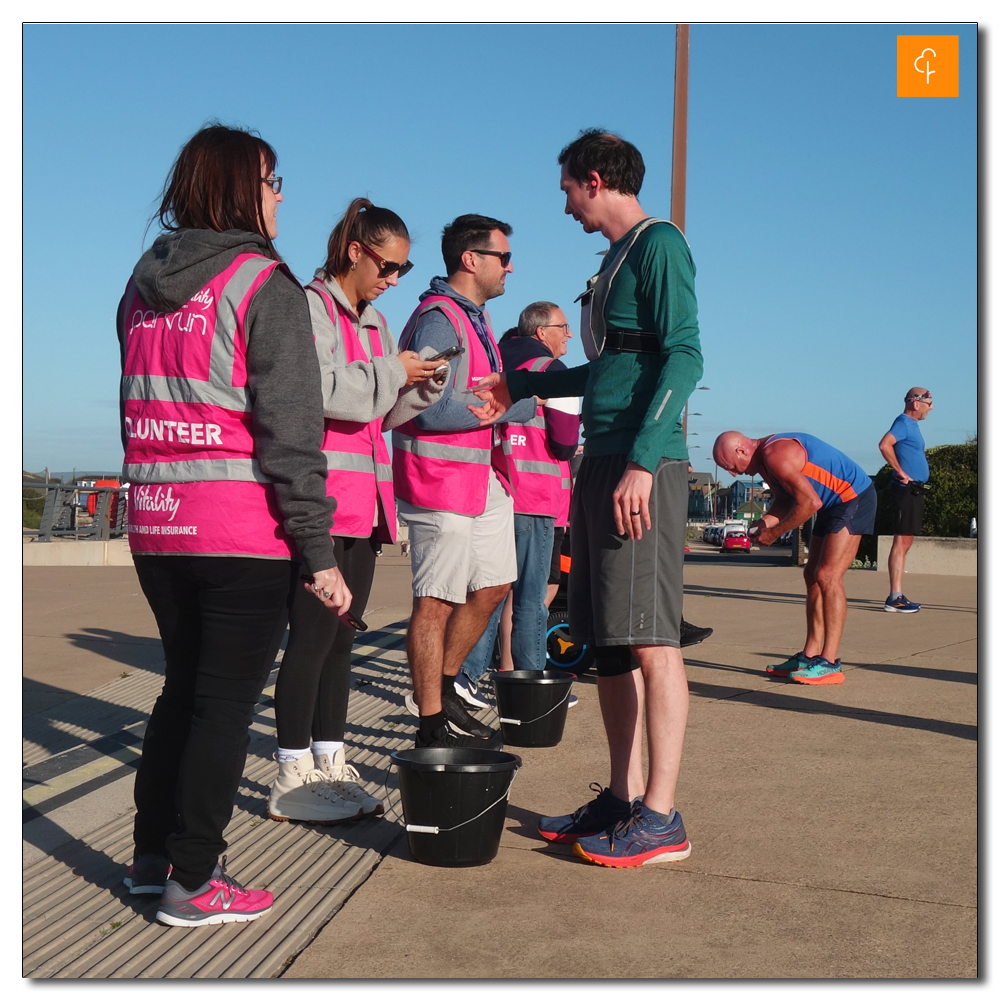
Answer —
(769, 698)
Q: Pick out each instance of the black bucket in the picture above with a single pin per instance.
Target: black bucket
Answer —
(532, 705)
(454, 802)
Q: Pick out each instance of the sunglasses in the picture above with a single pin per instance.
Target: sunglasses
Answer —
(274, 183)
(925, 398)
(386, 267)
(502, 255)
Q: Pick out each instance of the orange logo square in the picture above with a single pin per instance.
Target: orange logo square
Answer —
(927, 65)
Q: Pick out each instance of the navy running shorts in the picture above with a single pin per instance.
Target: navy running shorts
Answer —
(857, 515)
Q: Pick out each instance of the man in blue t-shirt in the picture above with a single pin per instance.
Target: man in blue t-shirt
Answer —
(903, 448)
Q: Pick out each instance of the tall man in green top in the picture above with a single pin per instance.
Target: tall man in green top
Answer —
(640, 330)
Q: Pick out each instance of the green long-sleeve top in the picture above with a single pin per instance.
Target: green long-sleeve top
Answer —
(633, 403)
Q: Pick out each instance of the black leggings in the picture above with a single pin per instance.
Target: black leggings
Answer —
(314, 682)
(221, 620)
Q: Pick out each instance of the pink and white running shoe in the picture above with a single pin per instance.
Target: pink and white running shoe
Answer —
(221, 900)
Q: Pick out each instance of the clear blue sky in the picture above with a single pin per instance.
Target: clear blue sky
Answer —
(833, 224)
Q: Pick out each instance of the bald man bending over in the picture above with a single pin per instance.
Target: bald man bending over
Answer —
(808, 476)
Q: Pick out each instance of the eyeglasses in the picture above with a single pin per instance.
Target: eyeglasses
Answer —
(273, 182)
(386, 267)
(555, 326)
(502, 255)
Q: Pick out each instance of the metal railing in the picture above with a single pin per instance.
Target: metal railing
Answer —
(65, 512)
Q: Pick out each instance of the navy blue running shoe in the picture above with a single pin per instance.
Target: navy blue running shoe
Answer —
(597, 815)
(642, 839)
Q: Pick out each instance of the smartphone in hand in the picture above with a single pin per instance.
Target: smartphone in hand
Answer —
(451, 352)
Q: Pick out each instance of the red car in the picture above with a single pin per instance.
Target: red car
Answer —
(736, 542)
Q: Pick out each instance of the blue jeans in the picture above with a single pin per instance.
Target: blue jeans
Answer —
(533, 548)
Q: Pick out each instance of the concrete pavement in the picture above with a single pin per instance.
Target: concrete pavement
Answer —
(834, 829)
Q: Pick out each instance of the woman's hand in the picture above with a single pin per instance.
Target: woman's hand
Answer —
(329, 586)
(417, 370)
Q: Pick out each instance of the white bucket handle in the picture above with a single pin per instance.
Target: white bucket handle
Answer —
(565, 698)
(417, 828)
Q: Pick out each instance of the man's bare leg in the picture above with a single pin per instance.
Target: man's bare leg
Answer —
(838, 554)
(897, 561)
(815, 628)
(621, 699)
(506, 625)
(667, 700)
(467, 624)
(425, 650)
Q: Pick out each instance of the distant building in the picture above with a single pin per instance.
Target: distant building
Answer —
(702, 487)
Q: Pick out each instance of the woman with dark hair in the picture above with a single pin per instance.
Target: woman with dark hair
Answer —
(222, 421)
(363, 376)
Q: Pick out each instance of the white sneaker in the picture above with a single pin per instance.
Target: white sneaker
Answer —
(469, 692)
(302, 792)
(346, 782)
(572, 701)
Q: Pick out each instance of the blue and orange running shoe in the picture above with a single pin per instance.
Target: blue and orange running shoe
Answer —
(901, 605)
(819, 671)
(597, 815)
(642, 839)
(794, 662)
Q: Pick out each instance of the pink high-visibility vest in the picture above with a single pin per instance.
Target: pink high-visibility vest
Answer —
(196, 487)
(450, 470)
(543, 481)
(360, 472)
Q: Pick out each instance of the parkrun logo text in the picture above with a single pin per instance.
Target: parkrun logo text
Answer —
(927, 65)
(155, 500)
(186, 321)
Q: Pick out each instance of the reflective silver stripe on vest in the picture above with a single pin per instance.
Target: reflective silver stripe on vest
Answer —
(383, 473)
(541, 468)
(567, 484)
(423, 448)
(244, 470)
(346, 461)
(539, 364)
(224, 346)
(535, 421)
(174, 389)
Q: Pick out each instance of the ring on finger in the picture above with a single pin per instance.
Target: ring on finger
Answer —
(635, 513)
(326, 594)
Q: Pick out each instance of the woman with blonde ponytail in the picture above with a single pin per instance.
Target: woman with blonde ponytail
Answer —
(362, 377)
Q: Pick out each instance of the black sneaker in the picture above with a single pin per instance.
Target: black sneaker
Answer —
(596, 816)
(447, 737)
(691, 635)
(460, 719)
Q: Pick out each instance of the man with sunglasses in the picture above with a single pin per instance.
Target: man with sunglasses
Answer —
(902, 446)
(640, 330)
(453, 483)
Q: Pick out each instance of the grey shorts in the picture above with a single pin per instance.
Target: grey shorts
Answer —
(452, 555)
(622, 592)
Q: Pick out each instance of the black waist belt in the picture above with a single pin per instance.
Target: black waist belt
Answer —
(632, 341)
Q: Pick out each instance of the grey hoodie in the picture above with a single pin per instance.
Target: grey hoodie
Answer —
(282, 373)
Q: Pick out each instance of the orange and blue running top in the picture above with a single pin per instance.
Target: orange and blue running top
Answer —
(835, 477)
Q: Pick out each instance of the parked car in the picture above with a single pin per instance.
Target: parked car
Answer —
(736, 541)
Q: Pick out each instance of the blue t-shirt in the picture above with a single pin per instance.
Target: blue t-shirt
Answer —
(909, 448)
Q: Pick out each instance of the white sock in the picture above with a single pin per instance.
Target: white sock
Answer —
(328, 748)
(285, 756)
